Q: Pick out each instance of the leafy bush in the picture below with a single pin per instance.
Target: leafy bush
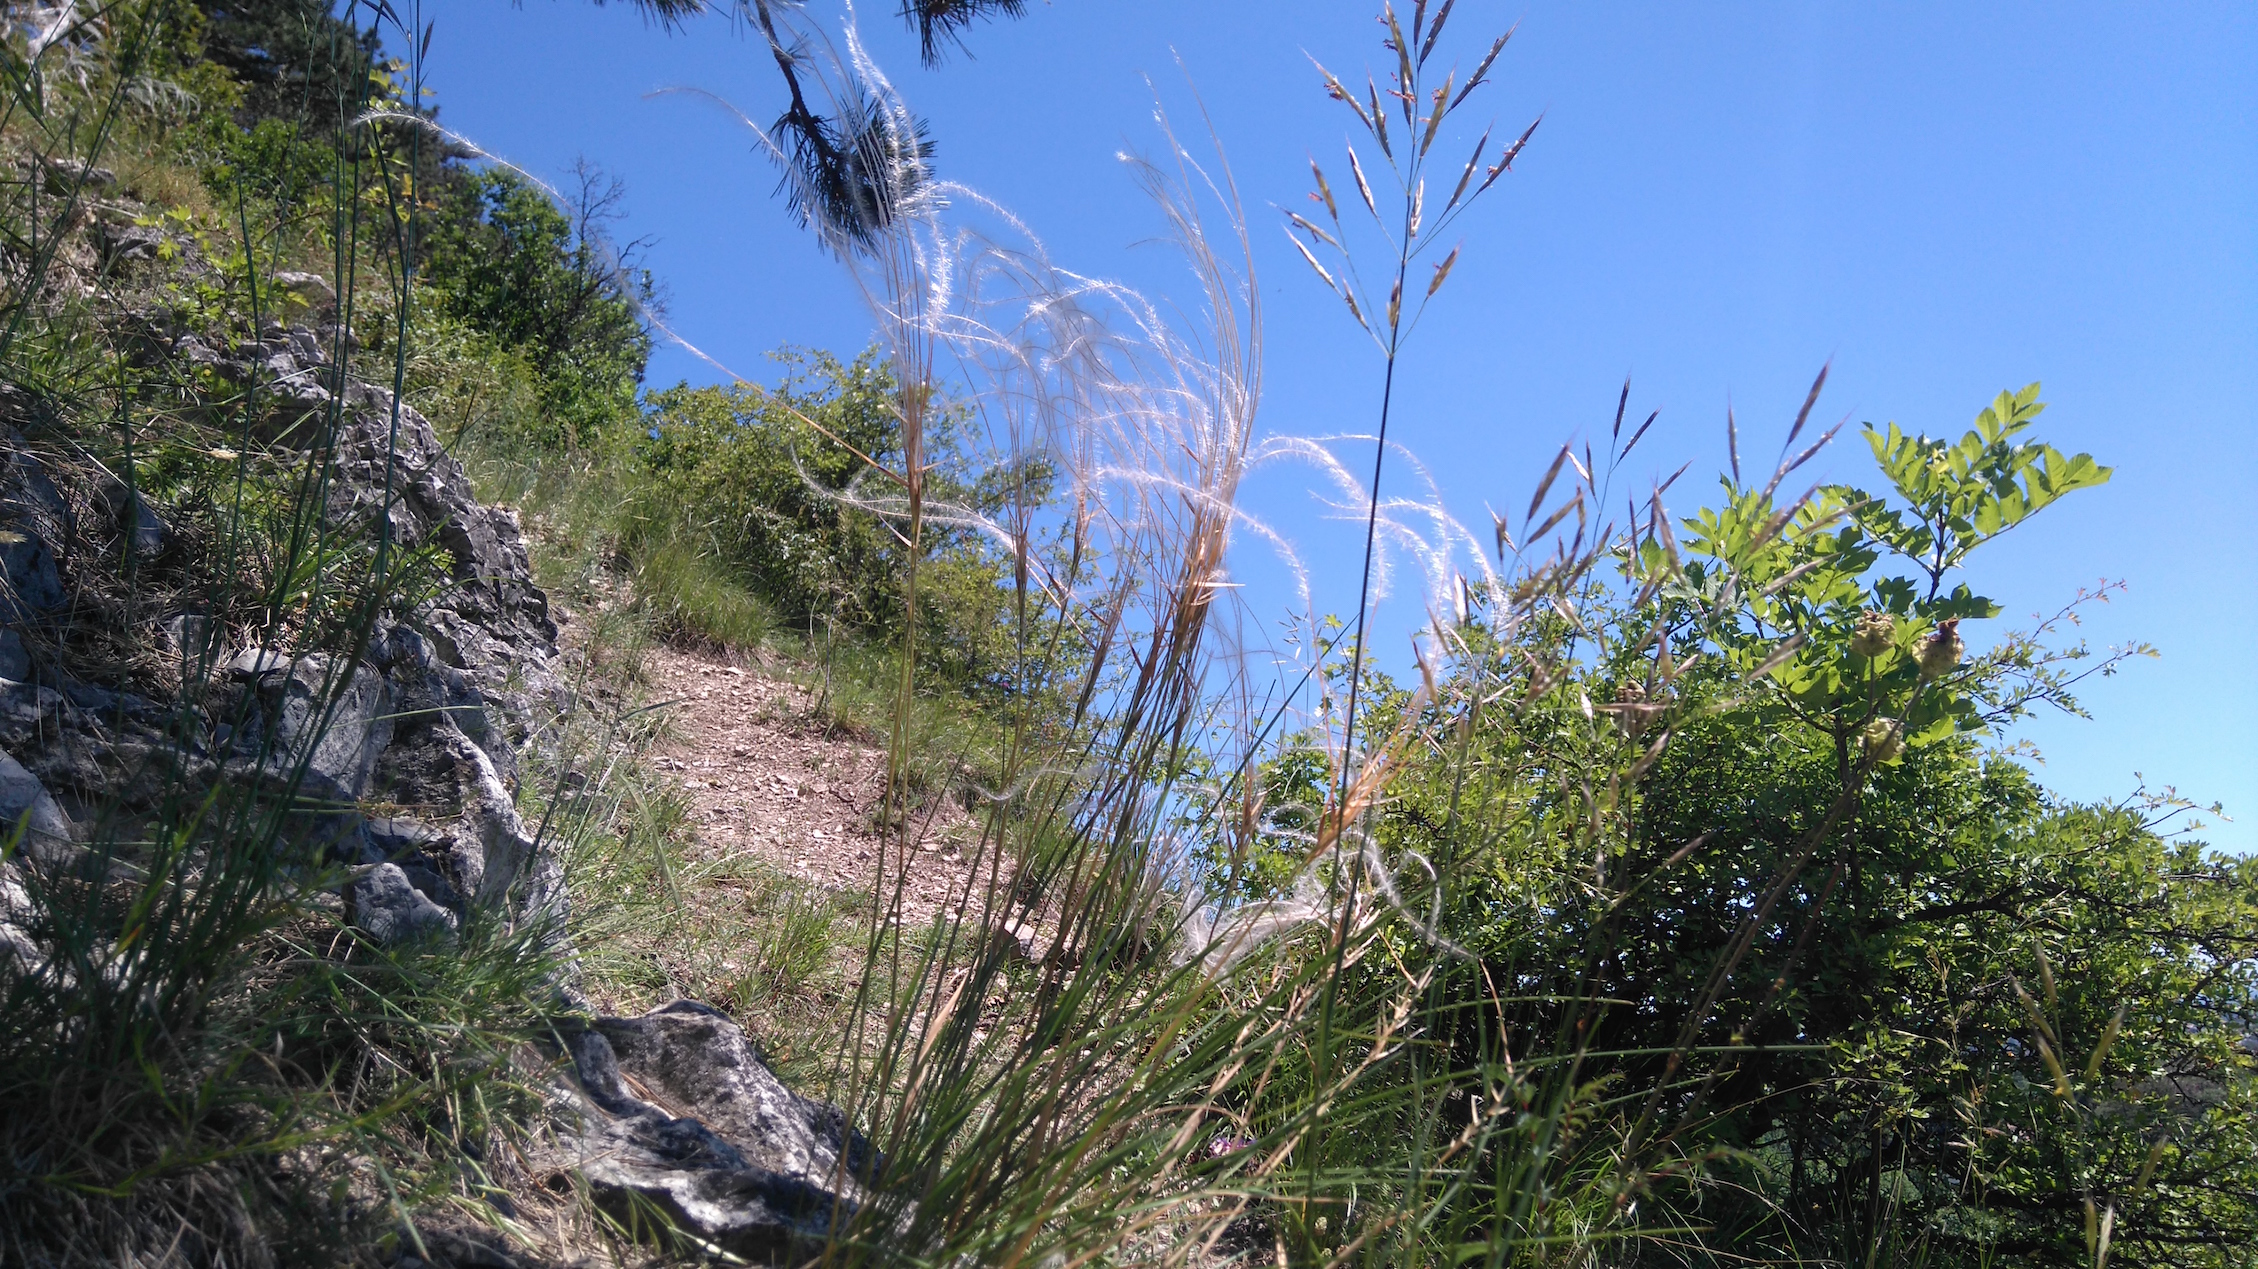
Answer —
(503, 259)
(779, 486)
(1863, 988)
(296, 60)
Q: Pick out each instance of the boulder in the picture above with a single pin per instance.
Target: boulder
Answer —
(313, 288)
(138, 524)
(315, 719)
(49, 838)
(75, 176)
(34, 517)
(679, 1114)
(389, 909)
(15, 662)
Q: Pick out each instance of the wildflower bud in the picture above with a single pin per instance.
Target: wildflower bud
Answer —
(1871, 637)
(1883, 739)
(1941, 650)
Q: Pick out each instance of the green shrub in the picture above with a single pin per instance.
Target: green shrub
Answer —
(775, 485)
(692, 598)
(504, 260)
(1862, 989)
(296, 60)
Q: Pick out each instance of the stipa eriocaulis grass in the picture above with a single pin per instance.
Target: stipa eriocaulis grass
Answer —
(1051, 1107)
(1009, 1129)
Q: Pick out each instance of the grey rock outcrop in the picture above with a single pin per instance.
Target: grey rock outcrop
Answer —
(431, 716)
(398, 758)
(25, 801)
(391, 908)
(678, 1113)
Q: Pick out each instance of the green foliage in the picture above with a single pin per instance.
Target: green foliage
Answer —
(272, 162)
(296, 60)
(1787, 586)
(1874, 1028)
(1962, 495)
(779, 487)
(503, 259)
(1779, 890)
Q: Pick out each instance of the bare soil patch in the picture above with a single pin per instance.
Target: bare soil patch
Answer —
(769, 778)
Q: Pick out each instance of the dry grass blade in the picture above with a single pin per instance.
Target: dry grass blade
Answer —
(1363, 187)
(1442, 271)
(1810, 452)
(1659, 520)
(1319, 234)
(1780, 656)
(1466, 177)
(1810, 399)
(1326, 192)
(2108, 1041)
(1435, 118)
(1335, 90)
(1574, 506)
(1482, 69)
(1435, 32)
(1379, 117)
(1544, 486)
(1631, 444)
(1311, 257)
(1406, 75)
(1504, 163)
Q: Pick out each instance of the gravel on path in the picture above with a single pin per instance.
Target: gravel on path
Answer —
(767, 777)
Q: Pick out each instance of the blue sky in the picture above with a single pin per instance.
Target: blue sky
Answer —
(1941, 200)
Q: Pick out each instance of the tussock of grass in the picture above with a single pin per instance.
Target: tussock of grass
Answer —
(691, 599)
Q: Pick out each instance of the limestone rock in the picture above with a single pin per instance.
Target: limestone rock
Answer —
(48, 835)
(390, 910)
(72, 176)
(310, 287)
(314, 719)
(680, 1114)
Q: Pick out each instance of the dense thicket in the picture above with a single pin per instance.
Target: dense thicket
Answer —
(1856, 988)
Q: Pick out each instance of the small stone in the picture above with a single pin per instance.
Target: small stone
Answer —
(1022, 935)
(392, 911)
(48, 832)
(313, 288)
(68, 176)
(257, 663)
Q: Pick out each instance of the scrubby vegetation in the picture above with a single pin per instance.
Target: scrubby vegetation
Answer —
(1689, 909)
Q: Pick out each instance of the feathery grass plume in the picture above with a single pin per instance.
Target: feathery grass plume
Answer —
(1146, 1015)
(1407, 1039)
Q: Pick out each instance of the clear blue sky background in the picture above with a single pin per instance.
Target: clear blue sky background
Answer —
(1943, 199)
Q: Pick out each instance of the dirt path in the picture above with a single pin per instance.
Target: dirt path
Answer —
(764, 778)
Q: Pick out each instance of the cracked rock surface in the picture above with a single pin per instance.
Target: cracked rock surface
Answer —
(678, 1113)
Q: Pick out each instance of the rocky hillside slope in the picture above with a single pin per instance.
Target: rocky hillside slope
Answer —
(392, 757)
